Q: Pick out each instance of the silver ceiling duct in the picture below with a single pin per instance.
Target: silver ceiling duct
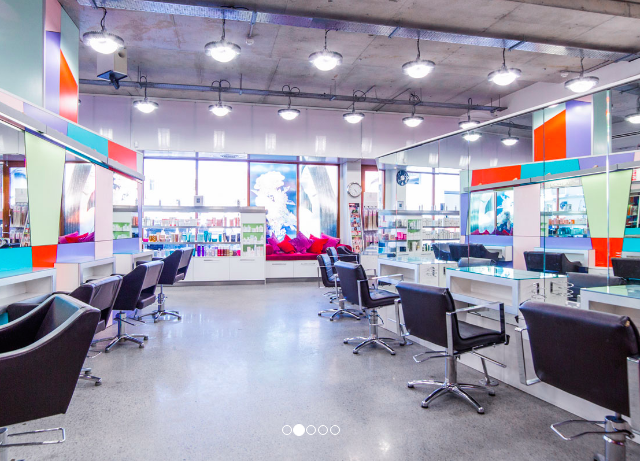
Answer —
(318, 96)
(244, 15)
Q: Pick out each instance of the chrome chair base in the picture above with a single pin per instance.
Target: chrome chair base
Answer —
(372, 341)
(86, 375)
(5, 445)
(457, 389)
(122, 335)
(341, 310)
(159, 313)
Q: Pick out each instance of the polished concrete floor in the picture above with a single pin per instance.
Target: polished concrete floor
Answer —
(248, 360)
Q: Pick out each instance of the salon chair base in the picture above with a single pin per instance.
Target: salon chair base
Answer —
(5, 445)
(450, 385)
(122, 335)
(354, 313)
(161, 312)
(374, 339)
(615, 434)
(86, 375)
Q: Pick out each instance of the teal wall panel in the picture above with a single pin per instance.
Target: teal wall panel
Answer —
(45, 173)
(22, 48)
(531, 170)
(631, 244)
(600, 123)
(15, 258)
(69, 43)
(88, 138)
(632, 231)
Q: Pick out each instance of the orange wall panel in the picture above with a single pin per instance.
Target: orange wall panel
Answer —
(600, 247)
(123, 155)
(44, 256)
(68, 92)
(494, 175)
(550, 139)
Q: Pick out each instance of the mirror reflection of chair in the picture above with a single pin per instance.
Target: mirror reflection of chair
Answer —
(175, 269)
(430, 314)
(138, 290)
(627, 268)
(471, 250)
(592, 355)
(578, 280)
(475, 262)
(41, 355)
(356, 290)
(100, 294)
(540, 261)
(441, 251)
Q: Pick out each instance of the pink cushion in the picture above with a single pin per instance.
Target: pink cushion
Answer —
(331, 241)
(301, 243)
(274, 244)
(69, 238)
(292, 257)
(269, 250)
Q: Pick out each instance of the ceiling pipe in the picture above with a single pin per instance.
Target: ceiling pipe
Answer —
(317, 96)
(200, 9)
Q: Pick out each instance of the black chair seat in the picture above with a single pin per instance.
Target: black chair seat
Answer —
(145, 301)
(101, 326)
(473, 336)
(382, 297)
(178, 278)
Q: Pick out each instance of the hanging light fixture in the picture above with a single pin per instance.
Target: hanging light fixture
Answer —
(103, 41)
(289, 113)
(353, 116)
(581, 84)
(220, 109)
(325, 60)
(414, 120)
(634, 118)
(509, 140)
(468, 123)
(222, 50)
(419, 68)
(144, 105)
(471, 136)
(505, 75)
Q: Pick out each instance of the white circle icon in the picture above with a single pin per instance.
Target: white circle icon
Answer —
(322, 430)
(286, 429)
(333, 431)
(311, 430)
(298, 430)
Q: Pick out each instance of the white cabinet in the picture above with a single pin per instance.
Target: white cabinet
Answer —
(247, 269)
(279, 269)
(305, 269)
(211, 269)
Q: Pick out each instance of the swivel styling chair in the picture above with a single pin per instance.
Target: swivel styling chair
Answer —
(430, 314)
(346, 255)
(356, 290)
(329, 278)
(41, 354)
(175, 269)
(592, 355)
(138, 291)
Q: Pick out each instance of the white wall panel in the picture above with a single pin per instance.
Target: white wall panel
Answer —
(171, 127)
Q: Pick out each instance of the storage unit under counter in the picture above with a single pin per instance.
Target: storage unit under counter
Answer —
(21, 284)
(126, 262)
(73, 273)
(619, 300)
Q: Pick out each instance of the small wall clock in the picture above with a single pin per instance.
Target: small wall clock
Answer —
(354, 189)
(402, 177)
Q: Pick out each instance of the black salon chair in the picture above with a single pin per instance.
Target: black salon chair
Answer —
(578, 280)
(138, 290)
(346, 255)
(592, 355)
(356, 290)
(627, 268)
(100, 293)
(329, 279)
(430, 314)
(441, 251)
(475, 262)
(540, 261)
(333, 255)
(175, 269)
(41, 355)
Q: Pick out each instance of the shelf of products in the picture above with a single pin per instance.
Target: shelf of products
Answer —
(564, 210)
(413, 232)
(370, 227)
(632, 212)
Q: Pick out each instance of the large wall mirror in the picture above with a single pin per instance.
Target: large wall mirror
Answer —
(125, 208)
(77, 223)
(14, 202)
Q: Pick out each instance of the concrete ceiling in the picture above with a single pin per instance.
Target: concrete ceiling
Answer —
(170, 48)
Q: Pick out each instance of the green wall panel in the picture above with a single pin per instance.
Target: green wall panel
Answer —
(600, 123)
(70, 43)
(595, 195)
(22, 48)
(45, 172)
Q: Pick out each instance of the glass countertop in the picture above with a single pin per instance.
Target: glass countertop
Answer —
(413, 259)
(505, 272)
(628, 291)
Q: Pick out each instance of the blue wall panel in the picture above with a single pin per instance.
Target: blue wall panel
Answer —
(15, 258)
(88, 138)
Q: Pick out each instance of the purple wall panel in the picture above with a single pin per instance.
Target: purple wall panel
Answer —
(578, 128)
(126, 246)
(506, 240)
(76, 252)
(52, 71)
(601, 160)
(464, 213)
(566, 242)
(53, 121)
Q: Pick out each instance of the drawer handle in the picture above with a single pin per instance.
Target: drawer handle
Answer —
(211, 260)
(278, 264)
(247, 260)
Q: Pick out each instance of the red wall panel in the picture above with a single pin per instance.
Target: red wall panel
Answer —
(550, 139)
(123, 155)
(44, 256)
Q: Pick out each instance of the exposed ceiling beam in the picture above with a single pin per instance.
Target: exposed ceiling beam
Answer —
(623, 8)
(317, 96)
(207, 10)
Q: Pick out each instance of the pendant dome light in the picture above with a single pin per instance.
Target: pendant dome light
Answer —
(414, 120)
(222, 50)
(505, 75)
(144, 105)
(419, 68)
(353, 116)
(509, 140)
(289, 113)
(581, 84)
(220, 109)
(103, 41)
(468, 123)
(471, 136)
(634, 118)
(325, 60)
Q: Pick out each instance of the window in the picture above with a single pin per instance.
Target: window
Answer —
(447, 195)
(169, 182)
(223, 183)
(504, 212)
(319, 199)
(482, 215)
(273, 186)
(125, 190)
(419, 191)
